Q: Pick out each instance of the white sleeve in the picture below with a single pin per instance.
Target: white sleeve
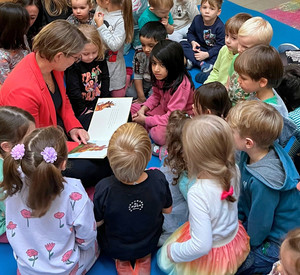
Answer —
(200, 229)
(192, 9)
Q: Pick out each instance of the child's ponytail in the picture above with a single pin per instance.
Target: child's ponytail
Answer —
(128, 19)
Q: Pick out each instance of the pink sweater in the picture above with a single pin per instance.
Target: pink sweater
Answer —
(182, 99)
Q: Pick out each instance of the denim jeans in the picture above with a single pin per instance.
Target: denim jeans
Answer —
(260, 259)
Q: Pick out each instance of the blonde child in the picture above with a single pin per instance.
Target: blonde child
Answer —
(261, 82)
(254, 31)
(212, 242)
(39, 200)
(172, 90)
(158, 10)
(268, 182)
(115, 27)
(289, 263)
(88, 79)
(82, 12)
(129, 205)
(205, 37)
(183, 13)
(15, 124)
(55, 9)
(211, 98)
(225, 56)
(14, 21)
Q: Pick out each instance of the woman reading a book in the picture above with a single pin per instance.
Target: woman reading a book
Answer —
(37, 86)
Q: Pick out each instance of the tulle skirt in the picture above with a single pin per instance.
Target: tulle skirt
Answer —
(224, 260)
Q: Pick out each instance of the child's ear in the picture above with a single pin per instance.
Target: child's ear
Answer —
(6, 146)
(207, 111)
(249, 143)
(219, 12)
(263, 82)
(151, 8)
(63, 165)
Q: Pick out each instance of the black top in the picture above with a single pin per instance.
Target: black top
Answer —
(132, 215)
(86, 82)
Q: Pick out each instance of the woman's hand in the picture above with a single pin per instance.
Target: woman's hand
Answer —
(79, 135)
(99, 19)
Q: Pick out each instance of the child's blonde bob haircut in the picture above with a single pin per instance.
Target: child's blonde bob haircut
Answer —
(129, 152)
(208, 147)
(259, 29)
(256, 120)
(92, 36)
(161, 4)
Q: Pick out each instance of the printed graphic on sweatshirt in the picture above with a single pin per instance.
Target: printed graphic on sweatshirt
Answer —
(90, 82)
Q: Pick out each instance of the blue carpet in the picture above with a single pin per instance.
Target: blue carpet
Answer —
(282, 34)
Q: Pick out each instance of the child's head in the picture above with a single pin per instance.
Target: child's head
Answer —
(212, 98)
(232, 27)
(14, 22)
(289, 88)
(167, 64)
(259, 67)
(210, 10)
(81, 9)
(290, 254)
(150, 34)
(161, 8)
(254, 31)
(254, 123)
(209, 149)
(93, 49)
(129, 152)
(15, 124)
(174, 159)
(41, 158)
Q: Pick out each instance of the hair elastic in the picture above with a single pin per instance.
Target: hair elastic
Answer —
(225, 194)
(49, 155)
(18, 151)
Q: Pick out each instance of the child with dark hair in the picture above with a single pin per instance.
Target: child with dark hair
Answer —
(150, 34)
(39, 199)
(205, 37)
(173, 89)
(212, 98)
(14, 22)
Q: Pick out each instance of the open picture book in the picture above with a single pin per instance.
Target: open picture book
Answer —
(109, 115)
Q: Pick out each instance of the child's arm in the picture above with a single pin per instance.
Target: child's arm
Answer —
(167, 210)
(192, 8)
(165, 22)
(139, 90)
(100, 223)
(192, 34)
(220, 40)
(113, 39)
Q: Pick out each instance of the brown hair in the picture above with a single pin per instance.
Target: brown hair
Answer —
(257, 120)
(56, 7)
(174, 158)
(292, 239)
(260, 61)
(92, 36)
(208, 146)
(212, 96)
(213, 3)
(234, 23)
(161, 4)
(129, 152)
(58, 36)
(44, 179)
(14, 124)
(90, 3)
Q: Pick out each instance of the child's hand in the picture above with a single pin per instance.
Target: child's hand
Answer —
(165, 21)
(195, 46)
(140, 100)
(99, 18)
(169, 252)
(201, 55)
(140, 119)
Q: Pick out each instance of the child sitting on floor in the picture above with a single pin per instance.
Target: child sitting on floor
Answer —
(206, 36)
(129, 205)
(212, 241)
(49, 218)
(150, 34)
(158, 10)
(173, 89)
(269, 200)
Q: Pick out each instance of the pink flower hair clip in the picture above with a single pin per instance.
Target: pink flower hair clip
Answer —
(18, 151)
(49, 154)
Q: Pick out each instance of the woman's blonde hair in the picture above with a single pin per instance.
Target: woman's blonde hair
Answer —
(44, 179)
(58, 36)
(129, 152)
(56, 7)
(208, 147)
(92, 36)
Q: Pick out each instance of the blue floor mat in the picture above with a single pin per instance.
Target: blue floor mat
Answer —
(282, 34)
